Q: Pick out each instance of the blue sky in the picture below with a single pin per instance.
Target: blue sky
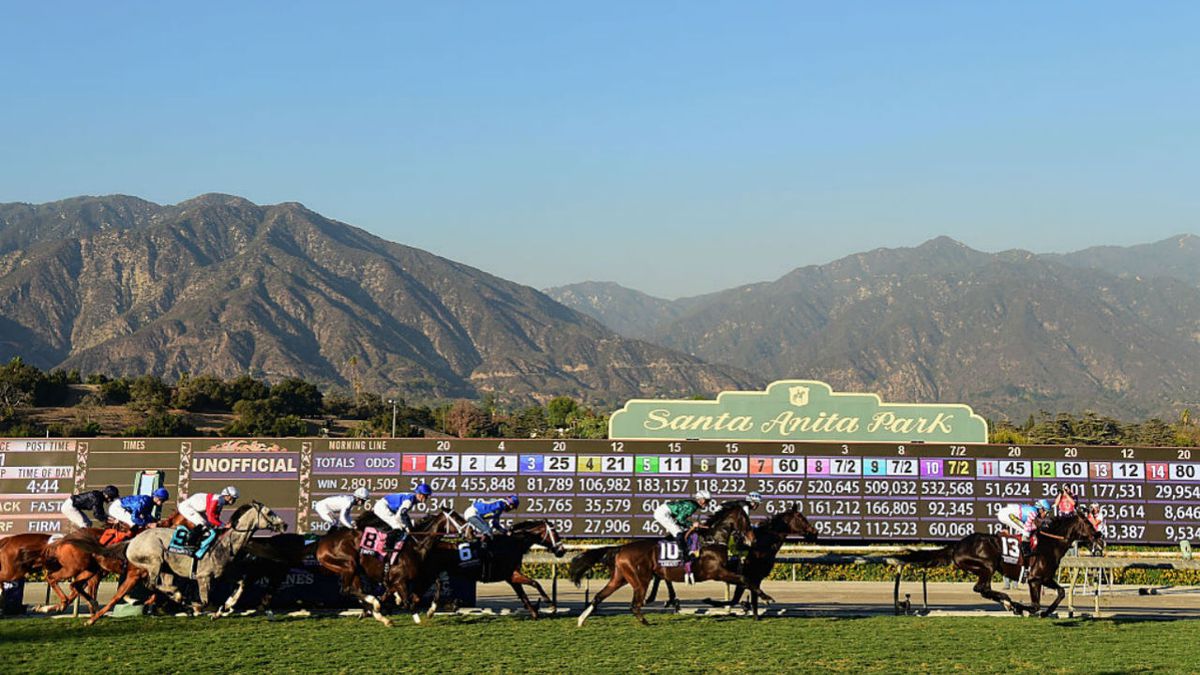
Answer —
(677, 148)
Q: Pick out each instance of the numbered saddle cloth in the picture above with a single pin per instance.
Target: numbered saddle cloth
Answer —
(669, 554)
(469, 554)
(181, 542)
(1012, 558)
(373, 541)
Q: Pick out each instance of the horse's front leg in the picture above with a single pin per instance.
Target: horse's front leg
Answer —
(519, 578)
(227, 607)
(1062, 593)
(203, 584)
(520, 591)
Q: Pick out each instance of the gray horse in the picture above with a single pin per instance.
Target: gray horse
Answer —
(150, 560)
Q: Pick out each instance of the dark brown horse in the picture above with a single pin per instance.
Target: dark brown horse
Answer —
(502, 561)
(270, 558)
(716, 530)
(338, 552)
(760, 559)
(980, 554)
(636, 563)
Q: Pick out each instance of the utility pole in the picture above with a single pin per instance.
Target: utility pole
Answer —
(393, 402)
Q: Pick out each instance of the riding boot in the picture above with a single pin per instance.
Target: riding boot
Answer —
(1025, 550)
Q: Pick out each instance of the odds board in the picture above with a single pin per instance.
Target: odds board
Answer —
(608, 489)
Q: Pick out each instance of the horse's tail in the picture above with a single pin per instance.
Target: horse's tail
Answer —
(585, 561)
(930, 557)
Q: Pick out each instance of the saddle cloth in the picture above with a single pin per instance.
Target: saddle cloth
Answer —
(669, 554)
(181, 542)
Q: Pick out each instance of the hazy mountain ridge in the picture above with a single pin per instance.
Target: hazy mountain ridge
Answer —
(1011, 332)
(218, 284)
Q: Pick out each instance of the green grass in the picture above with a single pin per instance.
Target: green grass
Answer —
(606, 644)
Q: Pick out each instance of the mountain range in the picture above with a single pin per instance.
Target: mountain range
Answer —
(1109, 329)
(219, 285)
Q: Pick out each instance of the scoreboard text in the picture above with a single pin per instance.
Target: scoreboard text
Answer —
(851, 492)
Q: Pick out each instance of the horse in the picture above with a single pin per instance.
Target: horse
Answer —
(717, 529)
(503, 562)
(760, 559)
(980, 554)
(636, 563)
(22, 554)
(148, 555)
(338, 552)
(65, 560)
(271, 559)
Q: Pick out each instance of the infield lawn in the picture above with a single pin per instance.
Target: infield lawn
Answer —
(495, 644)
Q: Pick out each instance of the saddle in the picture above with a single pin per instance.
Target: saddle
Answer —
(112, 535)
(183, 543)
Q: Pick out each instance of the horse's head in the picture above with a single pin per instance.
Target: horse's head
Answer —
(1073, 527)
(1093, 533)
(731, 518)
(798, 525)
(543, 533)
(256, 516)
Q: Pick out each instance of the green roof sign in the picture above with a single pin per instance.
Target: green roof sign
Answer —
(797, 410)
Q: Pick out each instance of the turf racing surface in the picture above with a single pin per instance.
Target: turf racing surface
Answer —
(495, 644)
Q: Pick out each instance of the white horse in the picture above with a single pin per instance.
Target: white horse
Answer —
(150, 558)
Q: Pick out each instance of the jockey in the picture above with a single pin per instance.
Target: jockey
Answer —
(1023, 519)
(481, 511)
(341, 506)
(137, 510)
(93, 500)
(393, 509)
(1065, 502)
(750, 503)
(203, 510)
(675, 516)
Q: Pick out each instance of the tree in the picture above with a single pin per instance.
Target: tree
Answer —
(525, 423)
(558, 409)
(466, 420)
(149, 393)
(115, 392)
(202, 393)
(294, 396)
(163, 424)
(245, 388)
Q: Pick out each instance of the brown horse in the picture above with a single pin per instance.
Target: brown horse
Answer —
(67, 559)
(338, 552)
(21, 554)
(636, 563)
(504, 555)
(980, 554)
(64, 560)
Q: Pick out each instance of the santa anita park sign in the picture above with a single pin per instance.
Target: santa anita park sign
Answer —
(797, 410)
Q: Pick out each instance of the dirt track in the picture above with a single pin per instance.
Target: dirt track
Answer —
(824, 598)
